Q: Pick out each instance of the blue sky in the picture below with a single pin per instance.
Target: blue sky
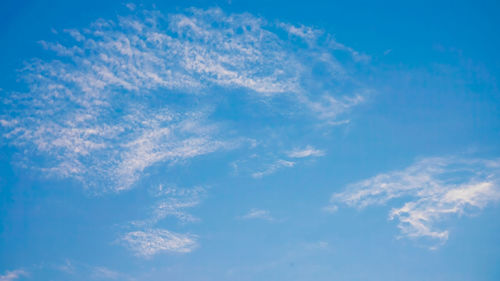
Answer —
(234, 140)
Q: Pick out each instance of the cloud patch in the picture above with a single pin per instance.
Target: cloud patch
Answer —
(432, 190)
(123, 95)
(258, 214)
(150, 242)
(308, 151)
(13, 275)
(172, 201)
(272, 168)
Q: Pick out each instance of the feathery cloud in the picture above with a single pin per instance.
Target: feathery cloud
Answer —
(101, 272)
(279, 164)
(258, 214)
(432, 189)
(308, 151)
(153, 241)
(101, 111)
(173, 202)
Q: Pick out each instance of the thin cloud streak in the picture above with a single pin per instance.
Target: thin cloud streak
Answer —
(308, 151)
(279, 164)
(258, 214)
(150, 242)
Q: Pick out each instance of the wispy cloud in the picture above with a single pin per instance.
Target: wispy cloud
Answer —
(67, 267)
(13, 275)
(154, 241)
(172, 202)
(104, 273)
(130, 6)
(318, 245)
(279, 164)
(433, 189)
(308, 151)
(258, 214)
(99, 111)
(80, 270)
(330, 209)
(306, 33)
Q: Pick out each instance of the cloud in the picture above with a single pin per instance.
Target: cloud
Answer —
(104, 273)
(273, 168)
(318, 245)
(13, 275)
(330, 209)
(172, 202)
(67, 267)
(306, 33)
(154, 241)
(258, 214)
(76, 269)
(308, 151)
(121, 96)
(431, 190)
(130, 6)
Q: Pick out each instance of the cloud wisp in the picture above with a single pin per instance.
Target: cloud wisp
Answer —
(432, 189)
(13, 275)
(272, 168)
(258, 214)
(147, 240)
(308, 151)
(150, 242)
(172, 202)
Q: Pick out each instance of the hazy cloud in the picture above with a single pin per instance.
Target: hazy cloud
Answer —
(13, 275)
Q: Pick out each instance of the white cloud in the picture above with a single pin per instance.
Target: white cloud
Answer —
(330, 209)
(173, 202)
(308, 151)
(99, 111)
(328, 108)
(13, 275)
(432, 190)
(101, 272)
(105, 273)
(154, 241)
(279, 164)
(130, 6)
(307, 33)
(258, 214)
(176, 201)
(357, 56)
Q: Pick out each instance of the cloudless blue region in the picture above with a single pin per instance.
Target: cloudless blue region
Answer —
(433, 92)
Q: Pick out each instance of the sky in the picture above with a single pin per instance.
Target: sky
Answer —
(249, 140)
